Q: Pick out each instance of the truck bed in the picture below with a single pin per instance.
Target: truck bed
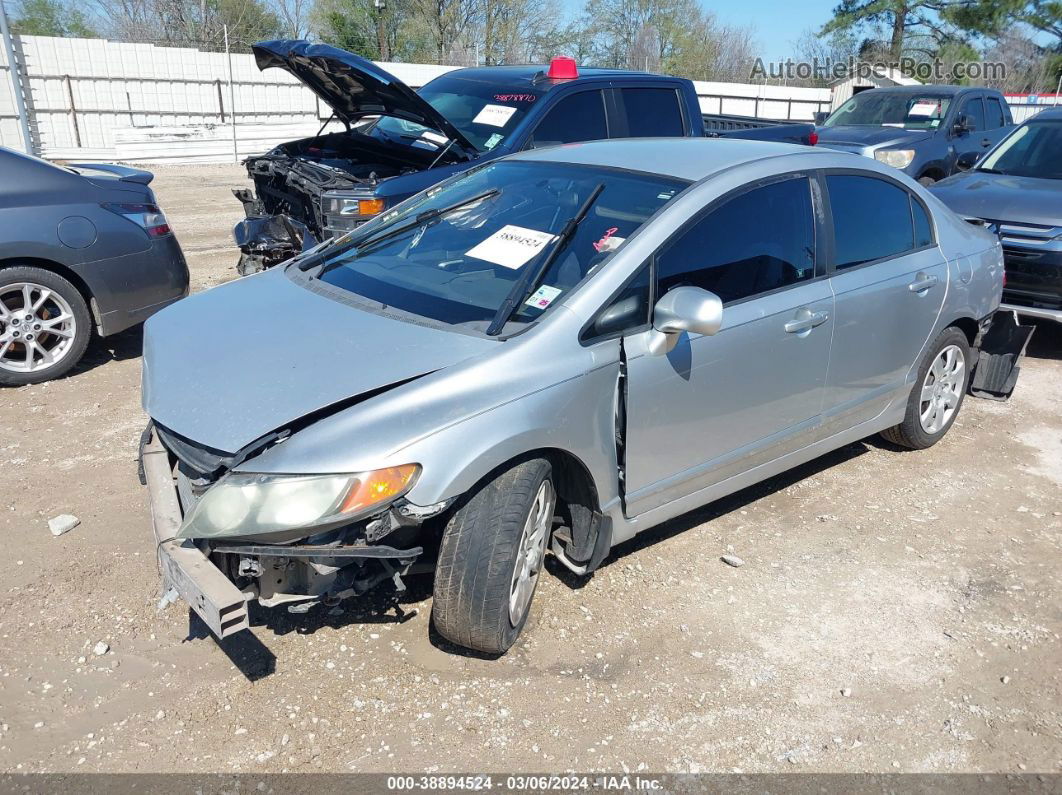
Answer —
(720, 126)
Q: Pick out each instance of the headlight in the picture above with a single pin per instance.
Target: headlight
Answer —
(352, 205)
(244, 504)
(897, 158)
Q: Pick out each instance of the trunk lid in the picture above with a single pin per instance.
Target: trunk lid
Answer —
(353, 86)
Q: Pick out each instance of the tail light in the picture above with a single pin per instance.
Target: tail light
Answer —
(813, 138)
(147, 216)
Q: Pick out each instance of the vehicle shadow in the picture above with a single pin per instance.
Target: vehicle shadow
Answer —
(714, 510)
(128, 344)
(1046, 342)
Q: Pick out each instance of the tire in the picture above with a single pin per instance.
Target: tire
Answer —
(488, 542)
(67, 341)
(926, 181)
(937, 395)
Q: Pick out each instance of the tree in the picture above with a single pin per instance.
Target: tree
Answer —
(903, 19)
(191, 23)
(50, 18)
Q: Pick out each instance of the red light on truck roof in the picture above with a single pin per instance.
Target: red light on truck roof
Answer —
(562, 68)
(813, 138)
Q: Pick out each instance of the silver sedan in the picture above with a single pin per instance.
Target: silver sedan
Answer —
(548, 355)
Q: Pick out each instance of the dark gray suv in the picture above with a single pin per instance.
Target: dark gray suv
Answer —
(81, 248)
(928, 132)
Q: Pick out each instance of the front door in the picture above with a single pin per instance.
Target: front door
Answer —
(715, 406)
(889, 279)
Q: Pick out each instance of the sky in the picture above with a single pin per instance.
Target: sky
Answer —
(777, 24)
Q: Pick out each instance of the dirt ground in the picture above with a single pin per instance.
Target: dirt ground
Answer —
(896, 611)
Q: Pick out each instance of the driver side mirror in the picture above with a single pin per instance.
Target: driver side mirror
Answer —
(967, 160)
(689, 309)
(961, 126)
(821, 116)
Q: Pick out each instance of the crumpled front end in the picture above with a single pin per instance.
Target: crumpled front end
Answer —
(299, 567)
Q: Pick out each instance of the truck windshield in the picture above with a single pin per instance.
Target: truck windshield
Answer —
(891, 109)
(1033, 150)
(459, 266)
(486, 113)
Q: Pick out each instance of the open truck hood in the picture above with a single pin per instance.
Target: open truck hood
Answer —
(227, 366)
(353, 86)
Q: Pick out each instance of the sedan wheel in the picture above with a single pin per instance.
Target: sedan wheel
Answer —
(532, 553)
(44, 325)
(942, 389)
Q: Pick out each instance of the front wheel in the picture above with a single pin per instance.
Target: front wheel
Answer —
(491, 556)
(937, 396)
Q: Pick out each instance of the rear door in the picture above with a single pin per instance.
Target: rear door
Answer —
(647, 112)
(889, 279)
(716, 406)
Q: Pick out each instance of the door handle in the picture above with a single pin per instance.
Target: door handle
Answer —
(922, 283)
(806, 321)
(986, 142)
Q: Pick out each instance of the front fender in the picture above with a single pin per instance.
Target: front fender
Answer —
(576, 416)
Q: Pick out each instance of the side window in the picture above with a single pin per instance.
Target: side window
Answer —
(652, 112)
(628, 310)
(577, 117)
(871, 219)
(975, 113)
(994, 118)
(923, 230)
(756, 242)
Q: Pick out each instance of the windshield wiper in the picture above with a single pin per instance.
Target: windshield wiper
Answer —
(422, 218)
(528, 282)
(990, 170)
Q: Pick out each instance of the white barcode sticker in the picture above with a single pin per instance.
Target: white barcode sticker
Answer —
(494, 115)
(511, 246)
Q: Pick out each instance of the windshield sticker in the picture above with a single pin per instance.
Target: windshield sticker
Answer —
(608, 243)
(514, 97)
(494, 115)
(924, 109)
(434, 137)
(493, 141)
(511, 246)
(543, 296)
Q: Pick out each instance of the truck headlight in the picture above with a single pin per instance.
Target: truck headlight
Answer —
(246, 504)
(351, 205)
(897, 158)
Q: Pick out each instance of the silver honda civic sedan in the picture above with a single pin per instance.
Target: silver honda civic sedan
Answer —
(548, 355)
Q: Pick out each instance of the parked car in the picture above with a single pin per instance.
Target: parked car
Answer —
(82, 247)
(1017, 190)
(399, 141)
(920, 130)
(554, 352)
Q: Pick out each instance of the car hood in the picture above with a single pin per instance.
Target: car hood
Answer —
(353, 86)
(1002, 197)
(231, 364)
(851, 136)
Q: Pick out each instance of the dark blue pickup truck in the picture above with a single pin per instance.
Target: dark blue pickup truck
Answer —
(399, 141)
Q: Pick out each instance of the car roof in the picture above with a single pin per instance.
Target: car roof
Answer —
(691, 159)
(1050, 114)
(521, 73)
(930, 89)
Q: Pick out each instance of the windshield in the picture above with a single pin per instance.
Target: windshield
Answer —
(459, 267)
(891, 109)
(484, 112)
(1034, 150)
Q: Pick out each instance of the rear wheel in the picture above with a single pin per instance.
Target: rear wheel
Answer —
(44, 325)
(937, 396)
(491, 557)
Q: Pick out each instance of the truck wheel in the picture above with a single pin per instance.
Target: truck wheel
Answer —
(44, 325)
(491, 556)
(938, 393)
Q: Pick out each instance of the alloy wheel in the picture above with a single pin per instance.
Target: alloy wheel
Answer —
(531, 552)
(942, 389)
(37, 327)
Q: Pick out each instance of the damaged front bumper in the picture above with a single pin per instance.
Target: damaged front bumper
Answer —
(218, 579)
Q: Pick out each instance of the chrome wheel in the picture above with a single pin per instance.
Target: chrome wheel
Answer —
(531, 552)
(942, 389)
(37, 327)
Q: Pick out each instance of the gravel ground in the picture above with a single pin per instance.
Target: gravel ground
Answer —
(896, 611)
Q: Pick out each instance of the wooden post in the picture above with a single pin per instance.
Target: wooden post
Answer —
(73, 110)
(221, 102)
